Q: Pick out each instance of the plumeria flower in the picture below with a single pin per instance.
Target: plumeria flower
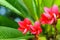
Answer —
(50, 15)
(24, 25)
(36, 29)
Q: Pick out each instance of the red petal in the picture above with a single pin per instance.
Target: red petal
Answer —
(27, 21)
(21, 24)
(43, 19)
(20, 29)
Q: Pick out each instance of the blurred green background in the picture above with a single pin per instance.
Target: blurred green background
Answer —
(12, 11)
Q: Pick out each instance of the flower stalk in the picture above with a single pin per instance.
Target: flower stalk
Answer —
(55, 32)
(37, 37)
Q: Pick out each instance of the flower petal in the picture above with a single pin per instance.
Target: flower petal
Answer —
(51, 21)
(27, 21)
(43, 19)
(25, 31)
(20, 23)
(47, 15)
(55, 9)
(47, 10)
(31, 27)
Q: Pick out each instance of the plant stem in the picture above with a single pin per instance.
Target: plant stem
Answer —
(36, 37)
(55, 32)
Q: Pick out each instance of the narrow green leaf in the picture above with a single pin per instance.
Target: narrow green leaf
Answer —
(35, 9)
(32, 8)
(38, 7)
(6, 4)
(19, 5)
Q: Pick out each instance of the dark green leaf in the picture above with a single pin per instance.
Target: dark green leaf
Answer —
(4, 21)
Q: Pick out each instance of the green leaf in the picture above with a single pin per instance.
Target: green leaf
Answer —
(6, 32)
(21, 7)
(17, 6)
(31, 5)
(6, 4)
(38, 5)
(13, 39)
(4, 21)
(11, 33)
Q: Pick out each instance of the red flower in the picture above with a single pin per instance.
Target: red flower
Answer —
(50, 15)
(24, 25)
(36, 29)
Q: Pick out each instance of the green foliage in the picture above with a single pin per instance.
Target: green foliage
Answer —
(7, 32)
(57, 2)
(58, 25)
(31, 9)
(4, 21)
(43, 38)
(6, 4)
(11, 33)
(18, 4)
(31, 5)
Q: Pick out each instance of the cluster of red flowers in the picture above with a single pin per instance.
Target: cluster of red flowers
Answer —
(26, 26)
(50, 16)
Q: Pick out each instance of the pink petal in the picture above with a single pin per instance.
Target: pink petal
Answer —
(37, 24)
(51, 21)
(47, 15)
(55, 9)
(32, 28)
(25, 31)
(55, 16)
(33, 32)
(47, 10)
